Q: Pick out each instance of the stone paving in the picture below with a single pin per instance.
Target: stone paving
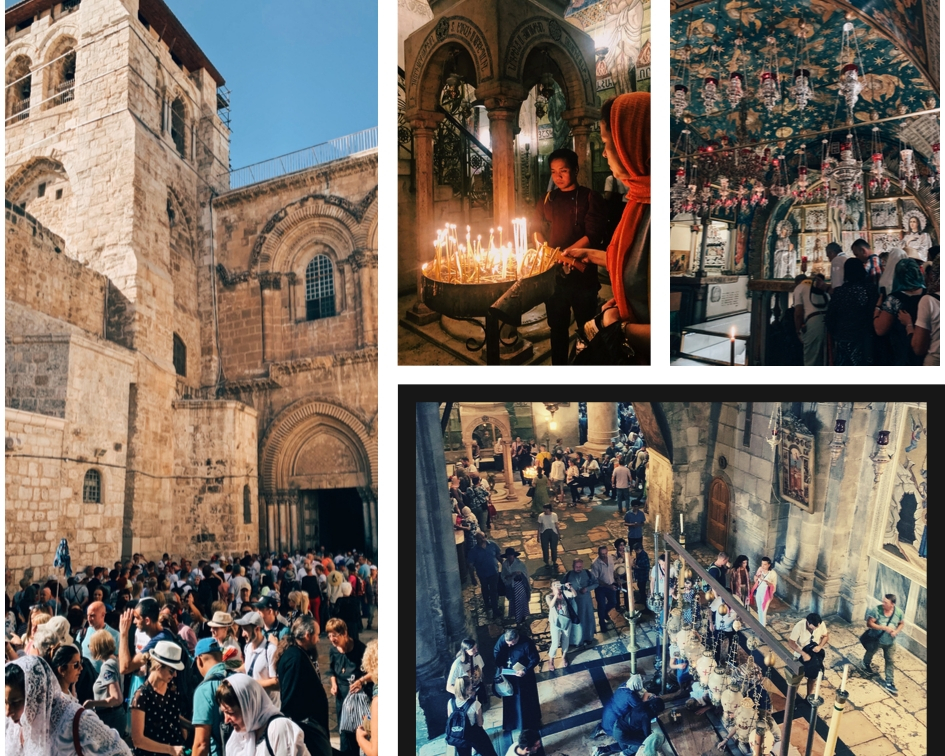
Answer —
(874, 723)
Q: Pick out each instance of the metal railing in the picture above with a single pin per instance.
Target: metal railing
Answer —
(64, 92)
(20, 111)
(464, 163)
(301, 160)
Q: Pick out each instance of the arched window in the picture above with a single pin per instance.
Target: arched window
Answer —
(19, 87)
(60, 74)
(178, 119)
(92, 488)
(180, 356)
(247, 507)
(319, 288)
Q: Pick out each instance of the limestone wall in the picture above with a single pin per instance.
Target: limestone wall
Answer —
(214, 460)
(266, 235)
(48, 281)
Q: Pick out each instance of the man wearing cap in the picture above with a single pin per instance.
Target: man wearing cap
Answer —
(275, 626)
(260, 655)
(220, 626)
(207, 717)
(483, 562)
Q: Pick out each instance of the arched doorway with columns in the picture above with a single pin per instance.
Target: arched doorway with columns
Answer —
(318, 480)
(497, 415)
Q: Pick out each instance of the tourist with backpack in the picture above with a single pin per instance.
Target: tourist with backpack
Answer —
(464, 729)
(259, 729)
(209, 734)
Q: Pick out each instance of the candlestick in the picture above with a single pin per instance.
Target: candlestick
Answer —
(817, 689)
(843, 684)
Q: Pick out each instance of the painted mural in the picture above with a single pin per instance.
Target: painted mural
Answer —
(905, 534)
(797, 462)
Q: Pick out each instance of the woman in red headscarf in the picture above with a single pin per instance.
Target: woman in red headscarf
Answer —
(625, 131)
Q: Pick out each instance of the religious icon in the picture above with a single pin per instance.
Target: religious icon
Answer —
(815, 250)
(848, 237)
(905, 533)
(785, 257)
(797, 452)
(915, 241)
(881, 241)
(816, 219)
(679, 261)
(884, 214)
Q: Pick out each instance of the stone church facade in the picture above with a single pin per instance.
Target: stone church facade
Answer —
(190, 366)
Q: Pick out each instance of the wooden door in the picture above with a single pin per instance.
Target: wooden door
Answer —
(718, 514)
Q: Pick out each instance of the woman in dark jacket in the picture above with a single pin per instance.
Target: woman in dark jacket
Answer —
(908, 288)
(849, 316)
(570, 216)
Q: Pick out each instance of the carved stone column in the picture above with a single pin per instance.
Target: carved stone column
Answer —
(602, 425)
(268, 282)
(293, 541)
(364, 265)
(581, 130)
(424, 125)
(271, 520)
(503, 120)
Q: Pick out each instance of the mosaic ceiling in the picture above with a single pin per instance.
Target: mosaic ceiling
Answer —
(895, 80)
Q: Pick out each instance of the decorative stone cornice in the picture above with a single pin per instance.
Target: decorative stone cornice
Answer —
(231, 279)
(363, 258)
(269, 280)
(277, 370)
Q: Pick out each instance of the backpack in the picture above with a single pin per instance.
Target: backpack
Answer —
(458, 728)
(359, 587)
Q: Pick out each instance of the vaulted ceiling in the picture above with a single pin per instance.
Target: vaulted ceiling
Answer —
(898, 44)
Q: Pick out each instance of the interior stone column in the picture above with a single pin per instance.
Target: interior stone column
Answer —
(503, 120)
(581, 132)
(424, 126)
(509, 477)
(602, 425)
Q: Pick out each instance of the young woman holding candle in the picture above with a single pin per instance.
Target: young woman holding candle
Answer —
(625, 132)
(569, 217)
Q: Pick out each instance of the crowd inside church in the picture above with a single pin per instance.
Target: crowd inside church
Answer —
(581, 599)
(877, 309)
(216, 658)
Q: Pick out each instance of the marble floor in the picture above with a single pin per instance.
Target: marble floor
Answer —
(874, 722)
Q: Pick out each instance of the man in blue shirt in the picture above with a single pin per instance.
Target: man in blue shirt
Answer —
(634, 519)
(484, 559)
(207, 717)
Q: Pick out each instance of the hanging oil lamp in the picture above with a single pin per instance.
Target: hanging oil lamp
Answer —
(771, 77)
(879, 181)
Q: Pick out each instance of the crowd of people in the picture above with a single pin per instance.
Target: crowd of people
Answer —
(876, 310)
(213, 659)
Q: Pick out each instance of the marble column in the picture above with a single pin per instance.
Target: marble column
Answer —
(502, 123)
(364, 263)
(293, 503)
(509, 477)
(440, 612)
(424, 127)
(602, 425)
(271, 523)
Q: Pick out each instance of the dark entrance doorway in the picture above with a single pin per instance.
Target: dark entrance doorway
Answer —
(338, 519)
(717, 534)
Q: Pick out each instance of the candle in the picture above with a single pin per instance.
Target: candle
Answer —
(626, 564)
(657, 528)
(817, 689)
(846, 669)
(680, 523)
(500, 236)
(732, 359)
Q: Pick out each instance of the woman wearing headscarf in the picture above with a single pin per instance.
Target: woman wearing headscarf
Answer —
(907, 289)
(259, 729)
(889, 271)
(848, 316)
(923, 330)
(625, 132)
(40, 719)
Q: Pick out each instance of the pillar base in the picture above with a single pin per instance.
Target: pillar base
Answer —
(433, 700)
(420, 314)
(797, 589)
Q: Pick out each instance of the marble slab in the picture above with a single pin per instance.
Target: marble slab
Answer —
(566, 695)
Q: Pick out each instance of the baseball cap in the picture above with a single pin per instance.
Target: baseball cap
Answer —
(267, 602)
(207, 646)
(251, 618)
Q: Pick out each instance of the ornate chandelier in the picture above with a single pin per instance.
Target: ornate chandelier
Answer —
(710, 86)
(850, 84)
(879, 182)
(771, 77)
(801, 91)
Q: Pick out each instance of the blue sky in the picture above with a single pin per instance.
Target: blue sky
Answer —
(300, 71)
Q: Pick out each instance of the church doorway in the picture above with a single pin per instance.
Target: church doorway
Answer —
(338, 519)
(719, 498)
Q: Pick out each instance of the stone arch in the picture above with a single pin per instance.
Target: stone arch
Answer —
(503, 426)
(575, 76)
(19, 83)
(284, 226)
(299, 423)
(424, 80)
(43, 187)
(368, 227)
(60, 71)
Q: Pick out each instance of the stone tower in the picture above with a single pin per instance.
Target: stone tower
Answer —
(115, 145)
